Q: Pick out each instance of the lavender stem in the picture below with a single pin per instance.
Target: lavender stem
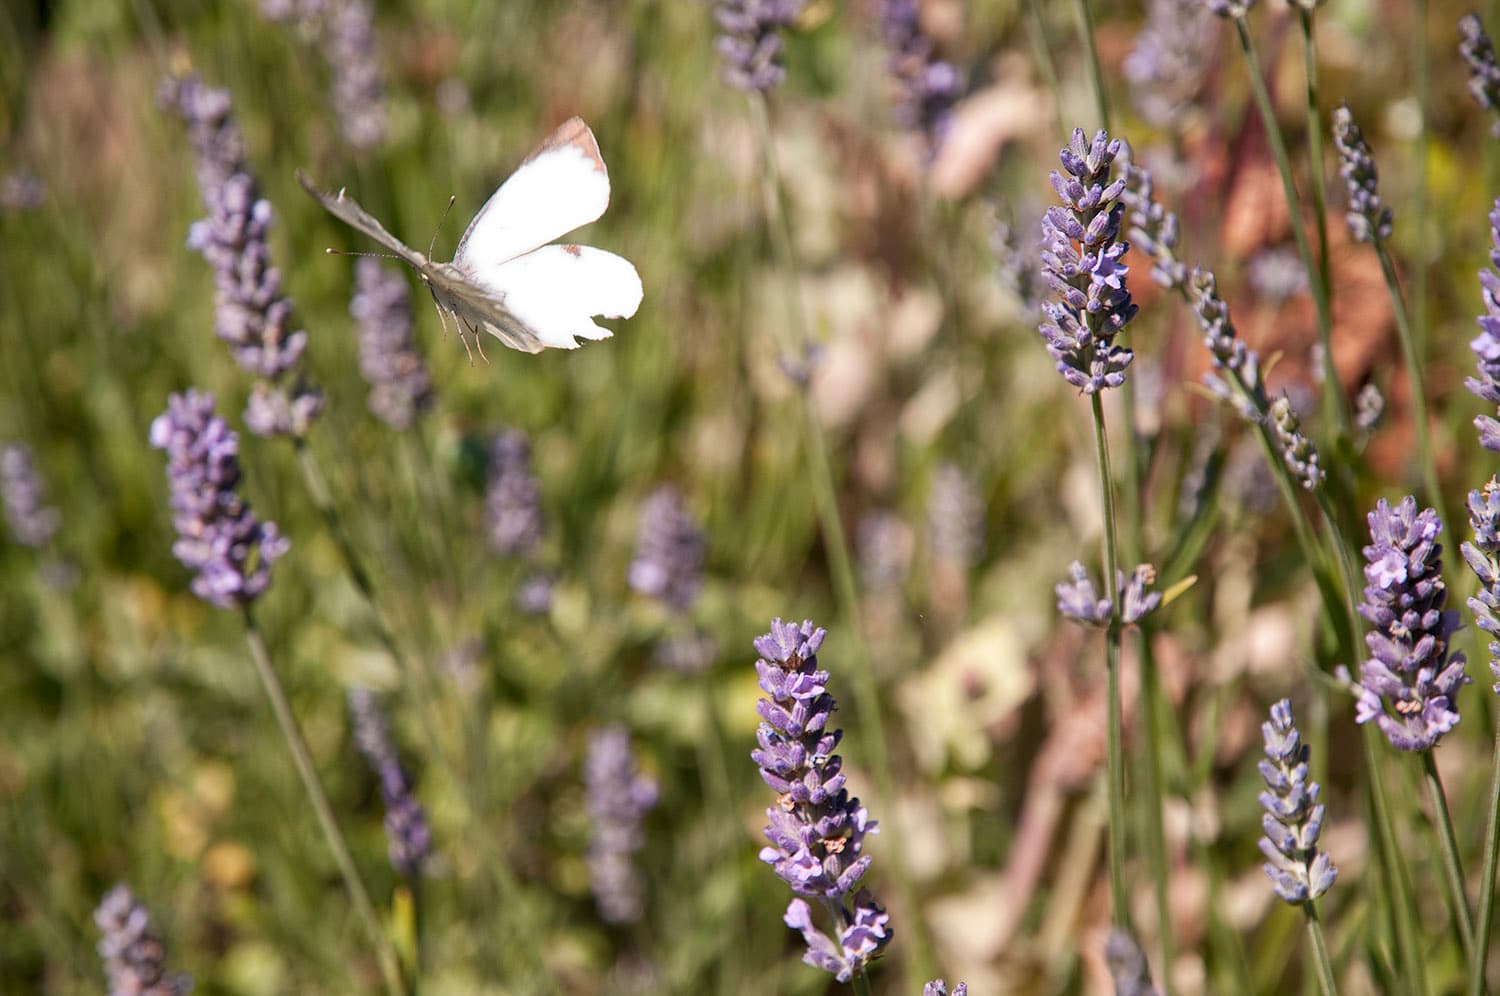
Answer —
(1485, 918)
(1410, 353)
(1332, 403)
(1091, 63)
(1321, 960)
(1453, 873)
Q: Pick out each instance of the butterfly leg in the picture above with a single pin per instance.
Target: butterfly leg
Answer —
(479, 341)
(442, 318)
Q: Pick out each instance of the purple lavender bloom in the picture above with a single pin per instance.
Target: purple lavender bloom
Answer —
(669, 550)
(619, 797)
(346, 31)
(1297, 451)
(408, 835)
(381, 307)
(135, 959)
(955, 518)
(816, 829)
(1233, 9)
(1484, 75)
(1080, 601)
(929, 87)
(1486, 345)
(1293, 818)
(1369, 408)
(1153, 229)
(1483, 556)
(1277, 275)
(534, 597)
(1369, 219)
(513, 497)
(1015, 269)
(1170, 59)
(250, 313)
(1127, 965)
(883, 544)
(751, 40)
(1409, 683)
(217, 534)
(1081, 254)
(937, 987)
(32, 521)
(21, 191)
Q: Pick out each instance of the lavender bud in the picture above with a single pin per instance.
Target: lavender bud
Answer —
(1293, 819)
(816, 829)
(135, 959)
(513, 497)
(217, 534)
(1484, 74)
(32, 521)
(346, 31)
(1297, 451)
(1234, 9)
(619, 797)
(1409, 683)
(669, 550)
(1081, 254)
(1127, 965)
(955, 518)
(928, 87)
(884, 550)
(534, 597)
(1153, 229)
(937, 987)
(1486, 345)
(751, 40)
(1080, 601)
(381, 307)
(1483, 557)
(1369, 219)
(1171, 56)
(1369, 408)
(408, 836)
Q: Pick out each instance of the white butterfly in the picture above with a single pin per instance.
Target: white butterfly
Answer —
(505, 279)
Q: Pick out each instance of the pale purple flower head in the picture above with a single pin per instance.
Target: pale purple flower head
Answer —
(1079, 600)
(1368, 217)
(955, 518)
(1297, 451)
(928, 86)
(619, 797)
(345, 29)
(883, 544)
(1232, 9)
(513, 497)
(862, 935)
(1369, 408)
(1081, 263)
(750, 40)
(1486, 345)
(1484, 75)
(669, 550)
(937, 987)
(1127, 965)
(1293, 817)
(1170, 59)
(400, 387)
(135, 959)
(1153, 229)
(408, 835)
(1483, 557)
(32, 521)
(217, 534)
(1409, 684)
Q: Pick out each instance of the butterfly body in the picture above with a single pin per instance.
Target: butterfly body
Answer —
(505, 279)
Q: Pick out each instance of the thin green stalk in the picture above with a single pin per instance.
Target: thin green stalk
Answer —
(1294, 207)
(1119, 901)
(714, 763)
(1409, 350)
(385, 952)
(1321, 961)
(1453, 873)
(1419, 192)
(1332, 404)
(1091, 62)
(795, 342)
(1487, 886)
(861, 985)
(1037, 29)
(1409, 951)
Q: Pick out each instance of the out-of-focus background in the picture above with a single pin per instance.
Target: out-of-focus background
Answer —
(136, 744)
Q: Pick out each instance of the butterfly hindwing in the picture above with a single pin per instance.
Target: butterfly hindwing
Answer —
(556, 290)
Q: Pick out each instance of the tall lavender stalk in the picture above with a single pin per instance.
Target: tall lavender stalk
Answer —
(619, 797)
(408, 835)
(1171, 56)
(816, 830)
(927, 86)
(135, 959)
(345, 29)
(1484, 74)
(400, 387)
(32, 521)
(750, 42)
(1483, 557)
(1486, 345)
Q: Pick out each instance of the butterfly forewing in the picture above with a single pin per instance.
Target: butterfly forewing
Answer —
(347, 210)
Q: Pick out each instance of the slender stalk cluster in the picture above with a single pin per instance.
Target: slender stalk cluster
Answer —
(928, 87)
(408, 835)
(669, 550)
(1409, 684)
(1293, 817)
(250, 313)
(346, 31)
(816, 829)
(135, 959)
(619, 797)
(750, 40)
(955, 518)
(1081, 253)
(218, 535)
(32, 521)
(1483, 557)
(1127, 965)
(1368, 217)
(400, 387)
(1079, 600)
(1171, 56)
(513, 497)
(1484, 75)
(1486, 345)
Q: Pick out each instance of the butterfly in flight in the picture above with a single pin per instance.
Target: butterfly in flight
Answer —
(506, 279)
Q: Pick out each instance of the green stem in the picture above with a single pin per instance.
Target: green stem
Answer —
(1453, 873)
(861, 985)
(1419, 192)
(1091, 62)
(1487, 886)
(1037, 29)
(1408, 949)
(1294, 207)
(1409, 350)
(1332, 403)
(385, 952)
(1321, 961)
(1120, 903)
(795, 341)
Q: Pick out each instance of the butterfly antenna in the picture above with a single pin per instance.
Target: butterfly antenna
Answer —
(433, 244)
(373, 255)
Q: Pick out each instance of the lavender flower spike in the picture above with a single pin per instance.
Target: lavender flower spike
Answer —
(1081, 255)
(937, 987)
(1486, 345)
(346, 31)
(408, 835)
(1368, 217)
(1484, 75)
(669, 550)
(1127, 965)
(1080, 601)
(1171, 56)
(513, 497)
(1483, 556)
(618, 799)
(135, 959)
(1297, 451)
(1293, 818)
(955, 518)
(929, 87)
(1153, 229)
(400, 387)
(816, 829)
(1409, 683)
(32, 521)
(217, 534)
(751, 40)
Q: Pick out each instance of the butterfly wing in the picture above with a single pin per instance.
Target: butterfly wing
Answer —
(561, 186)
(557, 290)
(477, 308)
(347, 209)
